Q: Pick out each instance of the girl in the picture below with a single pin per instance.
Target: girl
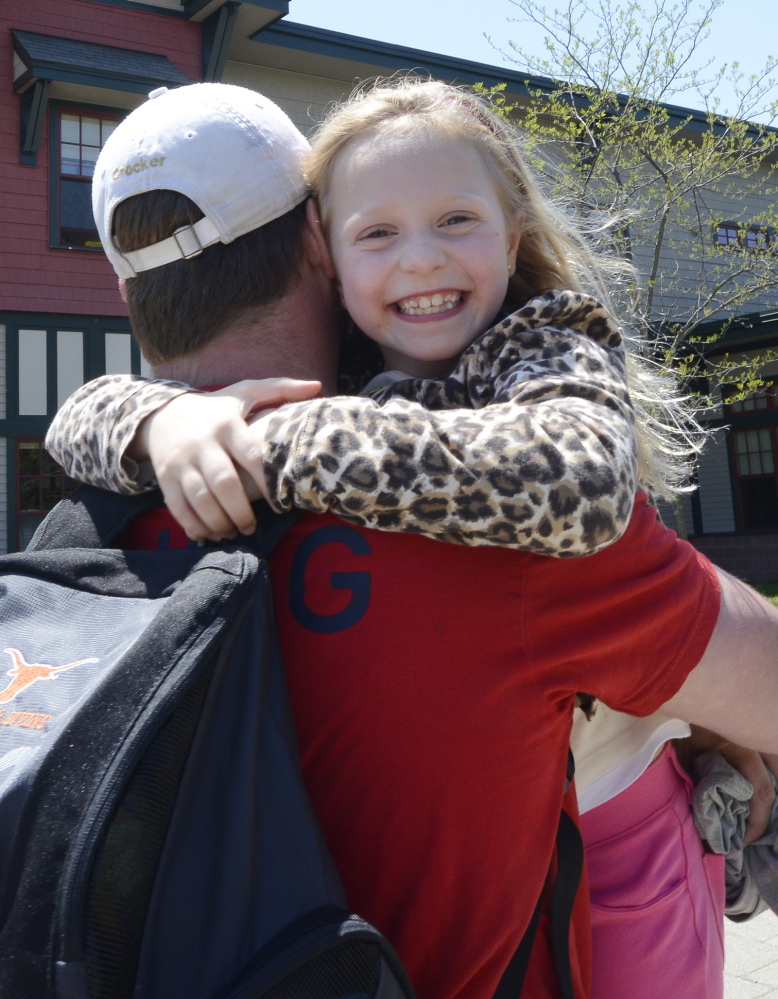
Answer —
(436, 231)
(466, 238)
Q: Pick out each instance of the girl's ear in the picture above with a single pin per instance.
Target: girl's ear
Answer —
(514, 238)
(123, 289)
(316, 245)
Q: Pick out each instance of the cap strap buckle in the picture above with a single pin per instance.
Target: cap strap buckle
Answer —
(188, 242)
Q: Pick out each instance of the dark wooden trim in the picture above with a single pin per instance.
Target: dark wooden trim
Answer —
(144, 8)
(32, 115)
(215, 36)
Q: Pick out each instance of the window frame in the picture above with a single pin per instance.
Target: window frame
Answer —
(728, 226)
(742, 233)
(68, 485)
(56, 109)
(741, 421)
(12, 425)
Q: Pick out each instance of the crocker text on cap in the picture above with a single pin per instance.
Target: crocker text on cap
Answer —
(139, 166)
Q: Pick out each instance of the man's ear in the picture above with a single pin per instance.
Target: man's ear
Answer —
(316, 248)
(123, 289)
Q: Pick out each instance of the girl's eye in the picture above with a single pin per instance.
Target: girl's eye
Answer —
(457, 219)
(378, 233)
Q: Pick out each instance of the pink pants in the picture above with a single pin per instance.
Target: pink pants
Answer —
(657, 897)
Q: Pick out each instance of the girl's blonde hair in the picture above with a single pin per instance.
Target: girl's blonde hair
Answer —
(554, 251)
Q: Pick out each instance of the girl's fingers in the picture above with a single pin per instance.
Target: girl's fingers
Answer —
(206, 507)
(245, 445)
(259, 393)
(183, 513)
(222, 479)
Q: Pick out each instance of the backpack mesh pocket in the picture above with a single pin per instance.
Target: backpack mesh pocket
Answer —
(351, 970)
(123, 875)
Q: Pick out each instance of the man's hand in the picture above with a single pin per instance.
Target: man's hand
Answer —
(207, 459)
(755, 767)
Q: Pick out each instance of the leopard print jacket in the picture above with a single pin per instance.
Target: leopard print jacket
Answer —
(528, 444)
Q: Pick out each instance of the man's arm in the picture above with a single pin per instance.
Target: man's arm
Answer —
(733, 690)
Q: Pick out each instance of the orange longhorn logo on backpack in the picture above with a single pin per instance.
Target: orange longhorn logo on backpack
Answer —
(23, 673)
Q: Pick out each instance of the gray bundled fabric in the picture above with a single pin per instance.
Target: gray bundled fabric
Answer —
(721, 804)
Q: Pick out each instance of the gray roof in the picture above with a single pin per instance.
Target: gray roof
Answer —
(50, 58)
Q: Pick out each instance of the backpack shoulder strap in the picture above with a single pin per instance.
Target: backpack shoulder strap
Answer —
(94, 518)
(570, 860)
(271, 527)
(91, 518)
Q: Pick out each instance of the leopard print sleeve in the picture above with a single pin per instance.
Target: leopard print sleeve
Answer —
(528, 444)
(91, 432)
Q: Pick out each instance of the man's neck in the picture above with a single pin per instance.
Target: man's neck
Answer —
(294, 338)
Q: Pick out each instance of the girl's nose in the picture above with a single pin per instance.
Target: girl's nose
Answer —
(421, 254)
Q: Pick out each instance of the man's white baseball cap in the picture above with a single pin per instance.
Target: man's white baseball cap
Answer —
(231, 150)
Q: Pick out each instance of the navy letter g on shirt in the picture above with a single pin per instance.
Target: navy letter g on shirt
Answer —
(357, 582)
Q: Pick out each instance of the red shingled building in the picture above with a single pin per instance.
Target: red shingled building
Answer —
(77, 67)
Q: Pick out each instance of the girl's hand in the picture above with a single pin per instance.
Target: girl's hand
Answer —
(207, 460)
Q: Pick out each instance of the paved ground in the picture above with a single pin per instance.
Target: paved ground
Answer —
(751, 968)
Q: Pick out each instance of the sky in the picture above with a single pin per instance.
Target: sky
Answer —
(742, 30)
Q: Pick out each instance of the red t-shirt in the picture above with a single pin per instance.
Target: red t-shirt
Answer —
(432, 687)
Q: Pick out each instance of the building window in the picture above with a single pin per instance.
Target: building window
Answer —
(755, 463)
(752, 238)
(40, 485)
(728, 235)
(81, 137)
(755, 402)
(755, 454)
(756, 239)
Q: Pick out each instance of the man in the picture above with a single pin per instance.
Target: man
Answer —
(432, 685)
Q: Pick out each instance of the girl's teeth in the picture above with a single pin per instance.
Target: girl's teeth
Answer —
(429, 305)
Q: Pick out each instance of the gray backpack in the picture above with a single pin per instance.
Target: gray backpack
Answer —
(156, 839)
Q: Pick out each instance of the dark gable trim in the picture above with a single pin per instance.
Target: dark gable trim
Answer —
(145, 8)
(64, 60)
(192, 7)
(755, 330)
(352, 48)
(282, 6)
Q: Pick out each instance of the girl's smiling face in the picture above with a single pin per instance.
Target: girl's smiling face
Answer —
(421, 244)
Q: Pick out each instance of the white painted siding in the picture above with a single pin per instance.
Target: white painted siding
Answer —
(306, 99)
(70, 363)
(667, 513)
(118, 353)
(32, 373)
(716, 503)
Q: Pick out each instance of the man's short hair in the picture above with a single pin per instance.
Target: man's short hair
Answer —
(182, 306)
